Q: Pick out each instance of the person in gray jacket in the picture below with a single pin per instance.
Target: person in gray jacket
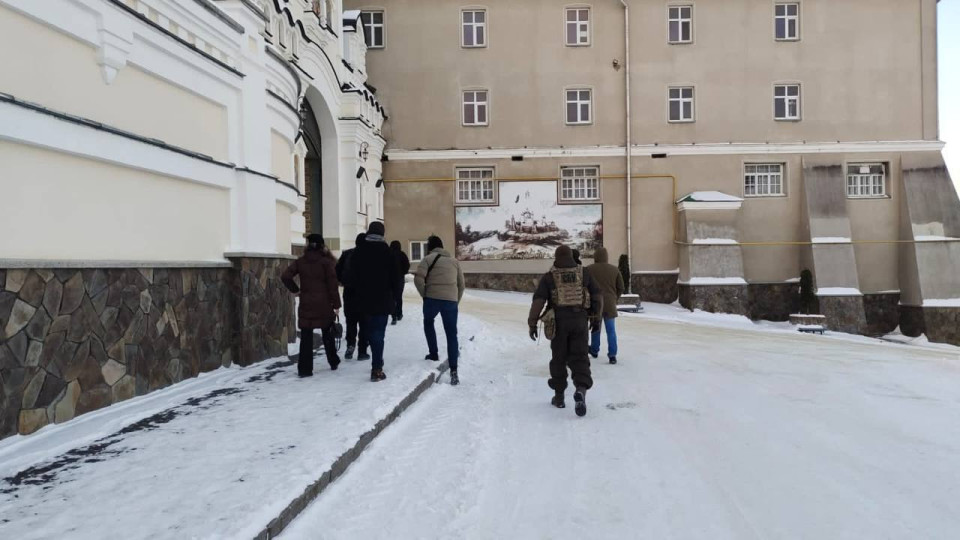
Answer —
(439, 281)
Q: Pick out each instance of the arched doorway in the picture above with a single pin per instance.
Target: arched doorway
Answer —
(312, 170)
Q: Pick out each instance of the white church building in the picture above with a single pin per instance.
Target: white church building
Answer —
(160, 163)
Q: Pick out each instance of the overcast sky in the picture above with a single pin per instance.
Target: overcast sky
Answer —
(949, 56)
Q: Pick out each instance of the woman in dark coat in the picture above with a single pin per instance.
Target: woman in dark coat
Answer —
(319, 301)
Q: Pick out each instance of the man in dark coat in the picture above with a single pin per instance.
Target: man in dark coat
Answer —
(319, 301)
(373, 272)
(403, 265)
(356, 332)
(576, 302)
(610, 281)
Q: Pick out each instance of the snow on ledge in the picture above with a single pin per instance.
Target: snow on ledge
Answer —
(831, 240)
(839, 291)
(723, 241)
(931, 238)
(942, 302)
(715, 281)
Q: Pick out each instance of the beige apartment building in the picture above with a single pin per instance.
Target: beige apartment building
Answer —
(765, 138)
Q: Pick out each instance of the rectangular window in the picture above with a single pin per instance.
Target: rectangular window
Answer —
(787, 22)
(475, 185)
(786, 102)
(680, 24)
(475, 108)
(578, 27)
(763, 180)
(580, 184)
(579, 105)
(373, 28)
(866, 180)
(418, 250)
(474, 28)
(681, 104)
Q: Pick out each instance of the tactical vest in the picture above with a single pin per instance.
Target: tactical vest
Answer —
(568, 288)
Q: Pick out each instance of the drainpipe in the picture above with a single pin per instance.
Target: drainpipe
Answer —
(629, 144)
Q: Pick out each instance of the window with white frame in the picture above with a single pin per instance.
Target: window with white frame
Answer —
(475, 185)
(786, 102)
(680, 24)
(418, 250)
(578, 26)
(373, 29)
(763, 179)
(475, 108)
(787, 21)
(866, 180)
(681, 104)
(474, 27)
(579, 106)
(579, 184)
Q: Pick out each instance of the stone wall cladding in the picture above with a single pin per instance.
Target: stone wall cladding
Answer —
(526, 283)
(76, 340)
(912, 322)
(264, 308)
(882, 312)
(716, 298)
(773, 301)
(844, 313)
(942, 324)
(657, 288)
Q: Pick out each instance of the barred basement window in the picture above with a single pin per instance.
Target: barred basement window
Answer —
(866, 180)
(475, 185)
(578, 27)
(579, 184)
(680, 24)
(763, 180)
(474, 28)
(373, 29)
(418, 250)
(787, 22)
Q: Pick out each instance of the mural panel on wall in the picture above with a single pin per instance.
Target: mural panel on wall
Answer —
(528, 224)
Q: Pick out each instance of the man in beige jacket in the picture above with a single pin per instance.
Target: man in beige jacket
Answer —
(439, 281)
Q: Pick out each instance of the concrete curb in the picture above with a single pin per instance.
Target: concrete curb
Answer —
(342, 463)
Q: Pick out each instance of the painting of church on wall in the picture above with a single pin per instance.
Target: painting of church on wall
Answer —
(527, 224)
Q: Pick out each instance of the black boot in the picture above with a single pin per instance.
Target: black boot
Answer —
(613, 359)
(454, 378)
(377, 375)
(349, 353)
(557, 400)
(431, 356)
(580, 397)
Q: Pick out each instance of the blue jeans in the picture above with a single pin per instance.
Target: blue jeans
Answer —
(376, 332)
(611, 327)
(447, 310)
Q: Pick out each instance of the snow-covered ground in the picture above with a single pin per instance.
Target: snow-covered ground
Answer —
(709, 427)
(214, 457)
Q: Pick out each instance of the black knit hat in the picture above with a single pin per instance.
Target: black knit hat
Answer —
(377, 228)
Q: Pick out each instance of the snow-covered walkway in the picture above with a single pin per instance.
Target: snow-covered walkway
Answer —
(701, 432)
(214, 457)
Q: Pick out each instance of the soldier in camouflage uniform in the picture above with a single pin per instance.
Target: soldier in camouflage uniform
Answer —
(576, 302)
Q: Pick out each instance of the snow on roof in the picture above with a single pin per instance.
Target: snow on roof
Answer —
(708, 196)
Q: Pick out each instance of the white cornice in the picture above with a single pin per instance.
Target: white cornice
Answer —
(671, 150)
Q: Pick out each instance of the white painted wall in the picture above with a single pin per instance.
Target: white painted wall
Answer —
(61, 207)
